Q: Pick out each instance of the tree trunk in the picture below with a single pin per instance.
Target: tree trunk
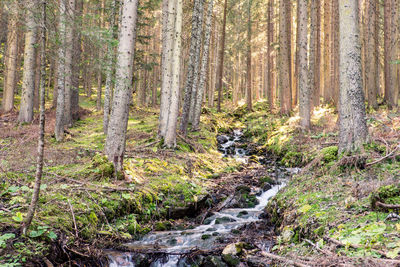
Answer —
(170, 135)
(69, 35)
(194, 55)
(304, 73)
(249, 100)
(221, 59)
(285, 95)
(60, 110)
(39, 165)
(28, 81)
(116, 134)
(269, 68)
(317, 71)
(371, 64)
(352, 118)
(109, 69)
(99, 87)
(204, 65)
(10, 76)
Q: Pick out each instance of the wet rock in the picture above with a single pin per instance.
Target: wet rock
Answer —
(231, 252)
(266, 187)
(212, 229)
(213, 261)
(224, 220)
(205, 236)
(208, 221)
(222, 139)
(243, 213)
(231, 260)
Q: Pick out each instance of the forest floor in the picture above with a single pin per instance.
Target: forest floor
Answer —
(83, 209)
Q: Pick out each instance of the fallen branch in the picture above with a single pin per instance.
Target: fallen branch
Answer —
(317, 248)
(73, 218)
(143, 146)
(338, 243)
(387, 206)
(385, 157)
(282, 259)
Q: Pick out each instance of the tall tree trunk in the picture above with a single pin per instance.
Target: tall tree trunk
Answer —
(317, 72)
(170, 135)
(109, 68)
(28, 81)
(116, 134)
(304, 74)
(327, 93)
(371, 64)
(352, 118)
(39, 165)
(77, 60)
(249, 99)
(10, 76)
(69, 35)
(60, 110)
(269, 68)
(221, 59)
(204, 65)
(285, 95)
(313, 48)
(335, 52)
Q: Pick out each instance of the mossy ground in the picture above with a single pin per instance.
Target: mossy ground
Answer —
(78, 181)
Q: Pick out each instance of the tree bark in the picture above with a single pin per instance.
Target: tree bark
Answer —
(60, 109)
(10, 76)
(116, 134)
(249, 100)
(353, 129)
(194, 55)
(221, 59)
(28, 80)
(109, 68)
(371, 64)
(285, 95)
(204, 65)
(304, 73)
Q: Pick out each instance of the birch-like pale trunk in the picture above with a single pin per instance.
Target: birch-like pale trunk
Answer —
(28, 80)
(60, 109)
(109, 69)
(190, 69)
(353, 129)
(303, 69)
(204, 65)
(170, 135)
(116, 134)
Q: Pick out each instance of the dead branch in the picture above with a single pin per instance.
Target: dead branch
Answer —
(317, 248)
(383, 158)
(282, 259)
(387, 206)
(73, 218)
(143, 146)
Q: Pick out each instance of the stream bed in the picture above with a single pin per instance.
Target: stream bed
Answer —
(172, 248)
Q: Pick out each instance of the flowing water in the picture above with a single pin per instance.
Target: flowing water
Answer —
(171, 245)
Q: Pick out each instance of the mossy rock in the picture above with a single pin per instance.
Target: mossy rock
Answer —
(231, 260)
(205, 236)
(224, 220)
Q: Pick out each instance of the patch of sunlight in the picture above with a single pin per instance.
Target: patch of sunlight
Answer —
(294, 120)
(321, 111)
(241, 102)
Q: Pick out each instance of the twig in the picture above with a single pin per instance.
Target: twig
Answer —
(73, 218)
(282, 259)
(383, 158)
(317, 248)
(337, 242)
(144, 146)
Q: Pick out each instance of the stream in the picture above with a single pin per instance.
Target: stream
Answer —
(168, 248)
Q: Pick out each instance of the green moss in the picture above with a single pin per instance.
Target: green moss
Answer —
(292, 159)
(330, 154)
